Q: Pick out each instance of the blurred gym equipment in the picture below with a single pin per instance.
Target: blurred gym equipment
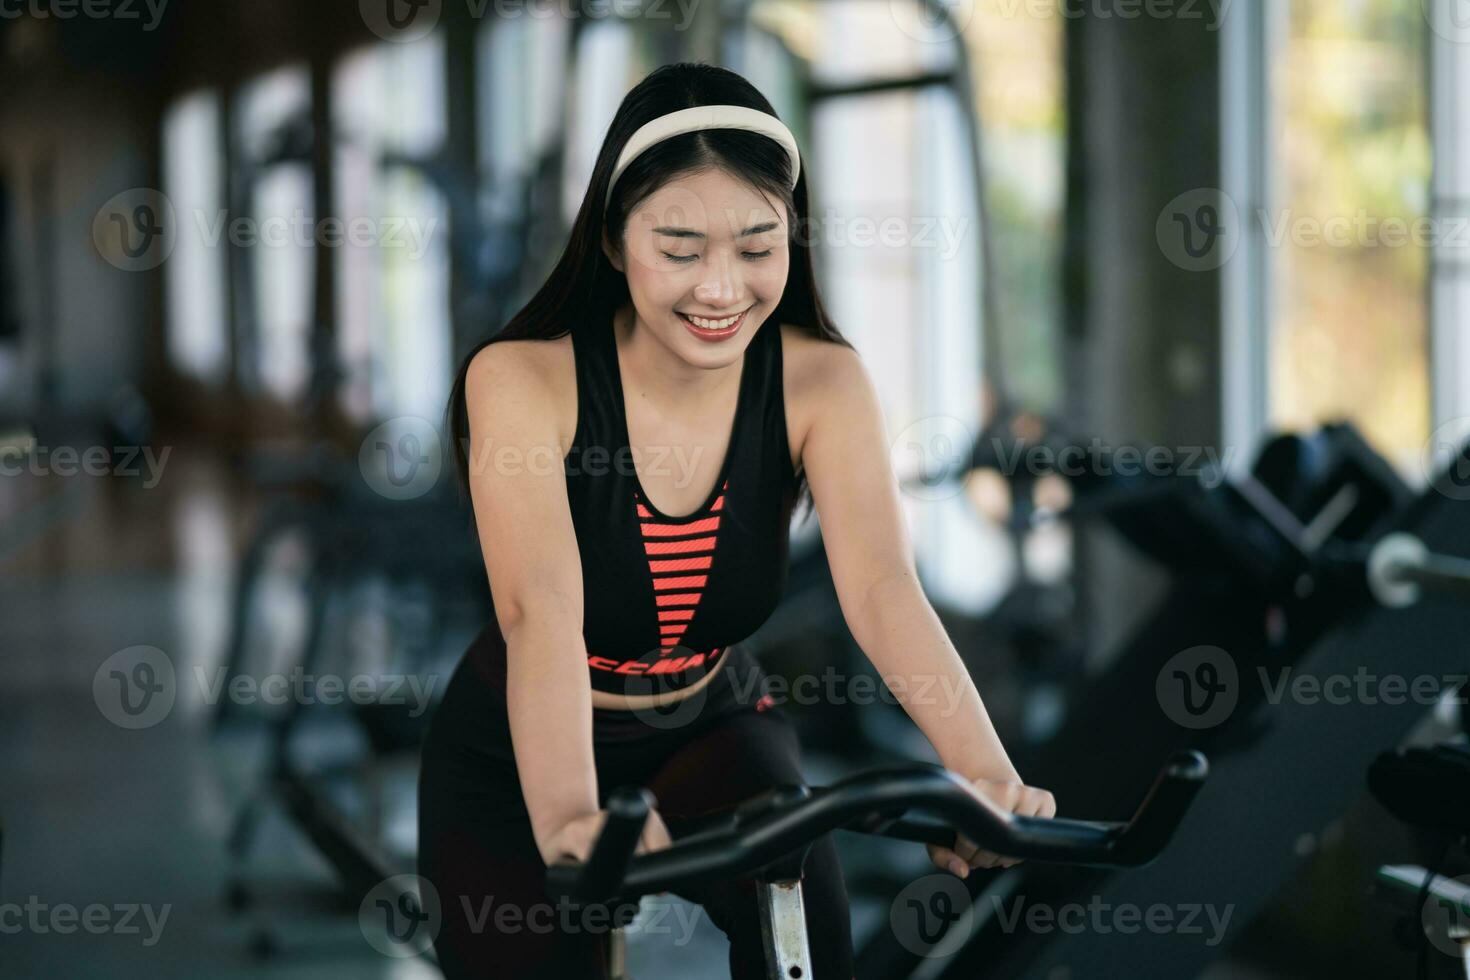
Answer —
(334, 768)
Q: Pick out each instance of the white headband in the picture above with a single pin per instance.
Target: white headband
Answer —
(705, 117)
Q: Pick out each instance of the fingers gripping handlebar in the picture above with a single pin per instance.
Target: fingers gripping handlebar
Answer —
(873, 802)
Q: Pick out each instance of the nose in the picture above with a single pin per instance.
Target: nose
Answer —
(721, 286)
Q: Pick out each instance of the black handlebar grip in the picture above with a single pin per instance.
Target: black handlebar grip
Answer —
(1161, 812)
(602, 875)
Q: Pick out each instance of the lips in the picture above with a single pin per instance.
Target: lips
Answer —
(706, 333)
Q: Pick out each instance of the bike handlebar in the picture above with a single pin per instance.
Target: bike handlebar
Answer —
(776, 823)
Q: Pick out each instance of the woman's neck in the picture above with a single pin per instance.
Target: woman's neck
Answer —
(659, 376)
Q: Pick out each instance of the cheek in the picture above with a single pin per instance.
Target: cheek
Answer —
(652, 283)
(769, 279)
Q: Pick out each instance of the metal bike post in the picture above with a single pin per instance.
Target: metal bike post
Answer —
(783, 927)
(617, 955)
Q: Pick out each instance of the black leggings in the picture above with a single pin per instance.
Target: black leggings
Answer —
(477, 850)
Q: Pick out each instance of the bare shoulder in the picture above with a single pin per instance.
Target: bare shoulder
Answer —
(529, 378)
(817, 374)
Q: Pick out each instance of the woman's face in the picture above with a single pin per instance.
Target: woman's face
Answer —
(706, 259)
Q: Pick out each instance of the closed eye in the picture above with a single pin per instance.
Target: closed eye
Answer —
(750, 256)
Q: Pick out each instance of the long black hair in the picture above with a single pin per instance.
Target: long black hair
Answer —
(585, 289)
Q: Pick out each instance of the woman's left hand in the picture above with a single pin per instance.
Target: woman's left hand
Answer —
(1011, 796)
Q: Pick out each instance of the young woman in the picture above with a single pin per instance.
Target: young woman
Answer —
(634, 442)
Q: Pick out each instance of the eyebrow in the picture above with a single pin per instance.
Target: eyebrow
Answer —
(691, 233)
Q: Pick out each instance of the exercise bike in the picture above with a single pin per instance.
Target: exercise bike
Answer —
(769, 836)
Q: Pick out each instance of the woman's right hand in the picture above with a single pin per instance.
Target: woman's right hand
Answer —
(574, 839)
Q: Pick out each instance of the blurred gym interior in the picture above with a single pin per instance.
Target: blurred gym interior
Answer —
(1166, 303)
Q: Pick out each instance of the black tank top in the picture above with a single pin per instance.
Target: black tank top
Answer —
(664, 597)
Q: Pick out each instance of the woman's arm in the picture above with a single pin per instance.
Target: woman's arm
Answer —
(518, 487)
(846, 457)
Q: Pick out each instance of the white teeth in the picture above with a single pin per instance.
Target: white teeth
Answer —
(701, 322)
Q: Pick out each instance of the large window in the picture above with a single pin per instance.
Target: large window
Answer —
(1449, 44)
(273, 117)
(1331, 98)
(193, 180)
(1351, 336)
(902, 239)
(1017, 50)
(393, 331)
